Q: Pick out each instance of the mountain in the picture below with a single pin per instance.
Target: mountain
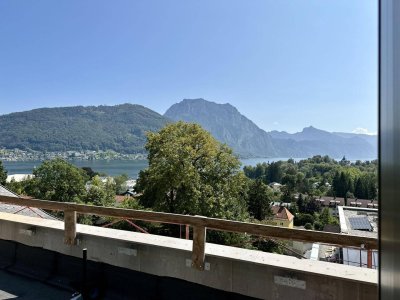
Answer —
(312, 141)
(226, 124)
(371, 139)
(120, 128)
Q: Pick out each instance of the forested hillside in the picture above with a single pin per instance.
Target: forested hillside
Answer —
(120, 128)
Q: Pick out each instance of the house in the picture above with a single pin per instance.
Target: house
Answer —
(361, 222)
(275, 185)
(130, 184)
(281, 217)
(21, 210)
(19, 177)
(333, 202)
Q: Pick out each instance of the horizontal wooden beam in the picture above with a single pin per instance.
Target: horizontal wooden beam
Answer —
(211, 223)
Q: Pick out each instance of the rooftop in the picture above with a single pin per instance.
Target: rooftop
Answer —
(281, 212)
(337, 201)
(351, 218)
(21, 210)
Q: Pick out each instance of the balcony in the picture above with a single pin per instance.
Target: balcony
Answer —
(135, 265)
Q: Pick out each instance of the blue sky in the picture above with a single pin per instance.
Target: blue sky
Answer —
(283, 64)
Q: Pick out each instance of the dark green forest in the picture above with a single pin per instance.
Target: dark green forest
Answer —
(121, 128)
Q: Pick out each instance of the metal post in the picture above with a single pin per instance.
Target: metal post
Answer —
(84, 273)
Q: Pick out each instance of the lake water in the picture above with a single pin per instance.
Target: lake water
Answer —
(114, 167)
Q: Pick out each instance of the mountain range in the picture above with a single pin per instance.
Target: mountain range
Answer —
(226, 123)
(122, 128)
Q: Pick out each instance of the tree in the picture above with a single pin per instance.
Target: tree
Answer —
(288, 189)
(120, 180)
(191, 173)
(308, 226)
(100, 193)
(3, 174)
(318, 226)
(89, 172)
(325, 217)
(302, 219)
(301, 203)
(359, 189)
(260, 197)
(274, 172)
(58, 180)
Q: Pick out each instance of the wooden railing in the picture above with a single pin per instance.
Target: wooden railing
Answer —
(200, 225)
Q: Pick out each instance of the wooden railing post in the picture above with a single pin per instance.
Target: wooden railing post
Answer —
(187, 231)
(369, 258)
(199, 244)
(69, 227)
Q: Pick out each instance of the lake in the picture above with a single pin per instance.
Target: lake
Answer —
(115, 167)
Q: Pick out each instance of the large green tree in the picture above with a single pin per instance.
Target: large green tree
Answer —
(259, 200)
(58, 180)
(192, 173)
(3, 174)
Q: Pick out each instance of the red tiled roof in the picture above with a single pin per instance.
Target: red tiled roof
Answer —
(281, 212)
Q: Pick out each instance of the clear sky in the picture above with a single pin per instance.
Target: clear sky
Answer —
(283, 64)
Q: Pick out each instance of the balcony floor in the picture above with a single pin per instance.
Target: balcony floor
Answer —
(18, 287)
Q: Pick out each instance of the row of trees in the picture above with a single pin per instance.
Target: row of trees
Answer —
(319, 176)
(362, 187)
(59, 180)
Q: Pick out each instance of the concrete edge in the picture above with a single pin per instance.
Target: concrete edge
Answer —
(350, 273)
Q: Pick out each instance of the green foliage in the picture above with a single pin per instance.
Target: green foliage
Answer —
(191, 173)
(260, 197)
(326, 218)
(308, 204)
(120, 183)
(132, 203)
(3, 174)
(99, 193)
(120, 128)
(58, 180)
(17, 187)
(302, 219)
(89, 172)
(314, 176)
(318, 226)
(308, 226)
(366, 186)
(241, 240)
(268, 245)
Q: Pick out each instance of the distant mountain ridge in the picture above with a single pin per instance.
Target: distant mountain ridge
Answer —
(120, 128)
(226, 124)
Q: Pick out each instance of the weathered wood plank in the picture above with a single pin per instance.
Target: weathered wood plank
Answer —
(70, 227)
(211, 223)
(198, 250)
